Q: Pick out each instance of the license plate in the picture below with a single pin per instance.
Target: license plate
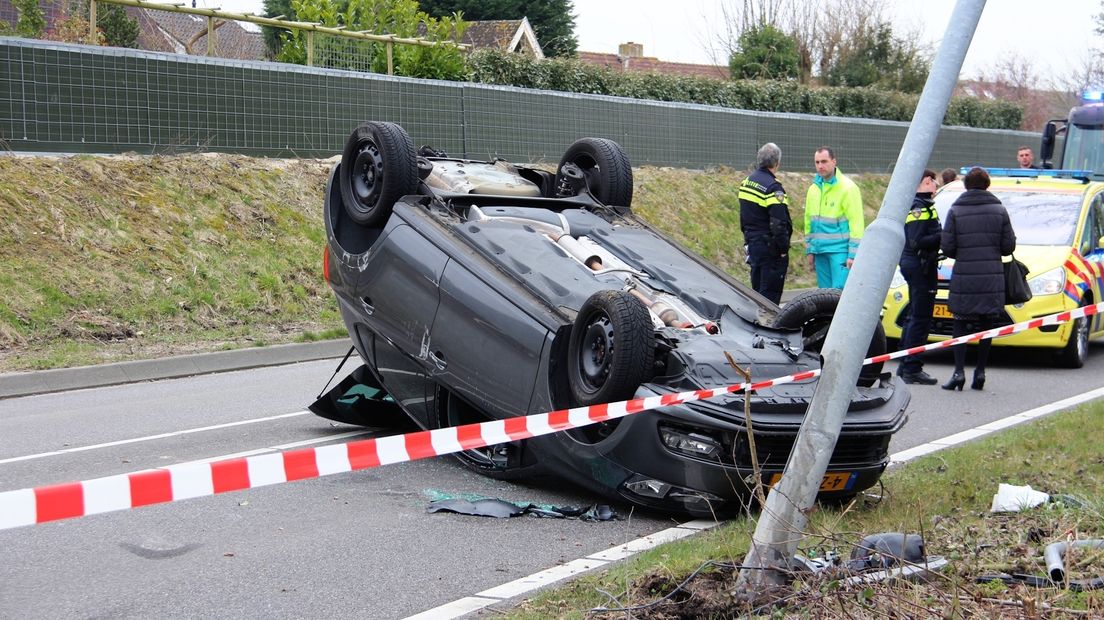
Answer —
(832, 481)
(941, 311)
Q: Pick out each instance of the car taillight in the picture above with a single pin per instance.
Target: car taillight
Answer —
(326, 263)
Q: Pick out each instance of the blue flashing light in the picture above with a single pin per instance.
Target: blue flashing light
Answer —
(1032, 172)
(1092, 96)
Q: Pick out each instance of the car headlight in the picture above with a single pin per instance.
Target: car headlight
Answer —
(898, 279)
(1049, 283)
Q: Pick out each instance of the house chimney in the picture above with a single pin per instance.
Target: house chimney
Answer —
(630, 50)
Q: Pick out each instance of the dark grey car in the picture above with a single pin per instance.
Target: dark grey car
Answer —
(478, 291)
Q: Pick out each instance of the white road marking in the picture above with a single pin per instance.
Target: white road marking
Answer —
(123, 442)
(282, 447)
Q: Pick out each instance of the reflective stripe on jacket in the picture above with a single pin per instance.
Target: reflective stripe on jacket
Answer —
(833, 217)
(764, 211)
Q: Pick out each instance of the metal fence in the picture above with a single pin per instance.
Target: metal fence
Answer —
(73, 98)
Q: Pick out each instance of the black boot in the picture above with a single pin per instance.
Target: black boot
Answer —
(957, 380)
(979, 379)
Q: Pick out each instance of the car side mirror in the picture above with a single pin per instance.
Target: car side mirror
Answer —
(1046, 149)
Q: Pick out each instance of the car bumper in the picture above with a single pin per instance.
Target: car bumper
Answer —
(1050, 336)
(635, 463)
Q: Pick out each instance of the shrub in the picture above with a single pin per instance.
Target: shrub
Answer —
(494, 67)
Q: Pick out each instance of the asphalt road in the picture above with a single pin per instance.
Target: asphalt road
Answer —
(350, 545)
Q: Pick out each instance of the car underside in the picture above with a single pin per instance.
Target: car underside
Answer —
(482, 290)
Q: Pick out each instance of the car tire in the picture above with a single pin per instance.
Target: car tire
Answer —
(378, 166)
(606, 168)
(611, 350)
(812, 311)
(1076, 351)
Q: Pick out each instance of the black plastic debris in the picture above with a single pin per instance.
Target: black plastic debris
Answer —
(500, 508)
(496, 508)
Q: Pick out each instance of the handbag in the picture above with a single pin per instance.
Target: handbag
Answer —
(1016, 289)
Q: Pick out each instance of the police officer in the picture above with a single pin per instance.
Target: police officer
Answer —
(919, 261)
(765, 222)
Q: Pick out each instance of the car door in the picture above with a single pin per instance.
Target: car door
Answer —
(399, 291)
(483, 346)
(1092, 248)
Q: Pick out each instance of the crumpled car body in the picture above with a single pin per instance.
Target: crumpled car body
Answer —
(471, 301)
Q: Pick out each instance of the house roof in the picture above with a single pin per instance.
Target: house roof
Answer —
(511, 35)
(162, 31)
(187, 34)
(649, 64)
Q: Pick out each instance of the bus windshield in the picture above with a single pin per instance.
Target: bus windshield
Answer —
(1084, 148)
(1038, 218)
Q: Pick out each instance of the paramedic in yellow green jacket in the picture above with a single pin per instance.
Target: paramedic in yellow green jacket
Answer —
(833, 221)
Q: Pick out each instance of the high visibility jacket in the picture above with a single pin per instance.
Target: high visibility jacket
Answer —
(764, 211)
(833, 216)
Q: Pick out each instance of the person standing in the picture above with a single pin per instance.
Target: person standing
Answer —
(977, 233)
(918, 263)
(766, 224)
(833, 221)
(948, 176)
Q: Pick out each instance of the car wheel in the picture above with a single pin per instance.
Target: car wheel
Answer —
(606, 167)
(1076, 351)
(812, 311)
(611, 350)
(378, 166)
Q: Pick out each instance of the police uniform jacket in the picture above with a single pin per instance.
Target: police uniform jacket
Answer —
(764, 212)
(922, 232)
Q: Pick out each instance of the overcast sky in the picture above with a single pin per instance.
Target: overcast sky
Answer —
(1055, 35)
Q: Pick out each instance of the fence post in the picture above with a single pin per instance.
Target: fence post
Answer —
(390, 60)
(210, 36)
(92, 38)
(310, 48)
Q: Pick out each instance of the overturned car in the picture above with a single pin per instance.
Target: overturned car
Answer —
(476, 291)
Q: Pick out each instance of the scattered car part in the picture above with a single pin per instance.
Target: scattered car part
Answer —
(500, 508)
(885, 550)
(1055, 551)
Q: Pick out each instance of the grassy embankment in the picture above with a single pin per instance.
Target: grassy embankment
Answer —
(116, 258)
(944, 497)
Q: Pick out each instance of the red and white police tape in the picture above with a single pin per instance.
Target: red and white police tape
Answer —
(178, 482)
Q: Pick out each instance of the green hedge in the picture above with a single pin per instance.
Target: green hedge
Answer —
(493, 67)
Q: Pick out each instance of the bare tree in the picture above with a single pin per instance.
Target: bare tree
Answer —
(821, 32)
(1016, 78)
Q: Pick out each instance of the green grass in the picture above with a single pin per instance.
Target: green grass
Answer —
(110, 258)
(115, 258)
(944, 496)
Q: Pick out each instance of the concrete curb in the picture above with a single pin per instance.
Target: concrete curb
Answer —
(45, 381)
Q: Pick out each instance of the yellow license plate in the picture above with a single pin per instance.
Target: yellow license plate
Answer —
(941, 311)
(832, 481)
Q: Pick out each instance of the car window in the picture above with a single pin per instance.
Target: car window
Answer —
(1038, 218)
(1094, 227)
(1091, 231)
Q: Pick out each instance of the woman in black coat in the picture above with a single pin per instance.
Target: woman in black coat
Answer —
(977, 233)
